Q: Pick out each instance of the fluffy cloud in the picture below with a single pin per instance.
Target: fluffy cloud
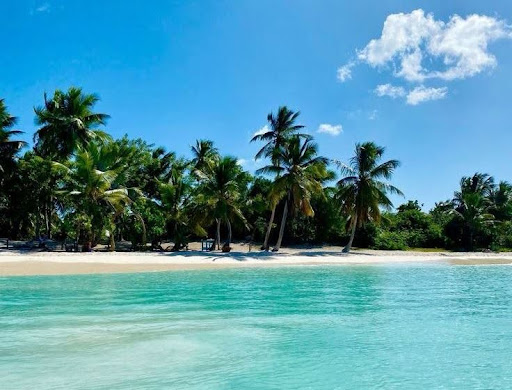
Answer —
(390, 90)
(345, 72)
(330, 129)
(423, 94)
(412, 42)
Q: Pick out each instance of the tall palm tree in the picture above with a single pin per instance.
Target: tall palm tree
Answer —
(175, 196)
(203, 153)
(219, 193)
(8, 147)
(67, 122)
(362, 192)
(281, 127)
(300, 174)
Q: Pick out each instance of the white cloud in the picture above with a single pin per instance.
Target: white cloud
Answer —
(241, 162)
(413, 97)
(263, 130)
(423, 94)
(372, 115)
(43, 8)
(420, 47)
(345, 72)
(330, 129)
(390, 90)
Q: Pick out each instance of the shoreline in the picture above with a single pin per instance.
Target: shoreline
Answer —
(15, 263)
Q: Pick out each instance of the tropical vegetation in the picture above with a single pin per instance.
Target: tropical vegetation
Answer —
(78, 184)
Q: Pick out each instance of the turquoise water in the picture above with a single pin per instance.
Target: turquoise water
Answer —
(378, 327)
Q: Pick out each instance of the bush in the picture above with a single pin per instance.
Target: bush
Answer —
(390, 240)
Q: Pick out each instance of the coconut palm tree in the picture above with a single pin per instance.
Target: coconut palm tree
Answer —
(300, 174)
(501, 198)
(67, 122)
(364, 189)
(281, 126)
(219, 193)
(96, 190)
(473, 205)
(203, 153)
(8, 147)
(479, 183)
(176, 196)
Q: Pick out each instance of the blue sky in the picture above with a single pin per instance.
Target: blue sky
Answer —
(433, 88)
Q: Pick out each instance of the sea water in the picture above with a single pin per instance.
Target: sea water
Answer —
(363, 327)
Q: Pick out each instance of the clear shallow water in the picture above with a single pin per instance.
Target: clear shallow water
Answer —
(379, 327)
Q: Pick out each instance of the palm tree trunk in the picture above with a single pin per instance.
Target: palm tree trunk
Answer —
(229, 232)
(144, 234)
(269, 228)
(349, 245)
(47, 221)
(217, 238)
(112, 242)
(38, 222)
(283, 224)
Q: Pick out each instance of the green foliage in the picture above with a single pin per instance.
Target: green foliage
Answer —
(365, 187)
(79, 183)
(390, 241)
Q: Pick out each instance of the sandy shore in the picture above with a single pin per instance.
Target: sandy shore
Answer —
(57, 263)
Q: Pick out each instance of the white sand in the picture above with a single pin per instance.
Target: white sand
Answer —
(51, 263)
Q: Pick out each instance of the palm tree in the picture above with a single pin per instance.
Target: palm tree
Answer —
(175, 196)
(203, 153)
(501, 198)
(67, 122)
(94, 184)
(474, 211)
(281, 126)
(472, 204)
(479, 183)
(362, 191)
(300, 174)
(8, 147)
(219, 193)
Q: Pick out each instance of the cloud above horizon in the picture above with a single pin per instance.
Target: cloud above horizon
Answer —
(417, 48)
(327, 128)
(261, 131)
(412, 97)
(43, 8)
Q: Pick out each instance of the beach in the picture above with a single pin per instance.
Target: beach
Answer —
(18, 263)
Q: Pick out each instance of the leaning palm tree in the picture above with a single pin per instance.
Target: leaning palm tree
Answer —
(281, 127)
(67, 121)
(8, 146)
(300, 174)
(219, 193)
(362, 192)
